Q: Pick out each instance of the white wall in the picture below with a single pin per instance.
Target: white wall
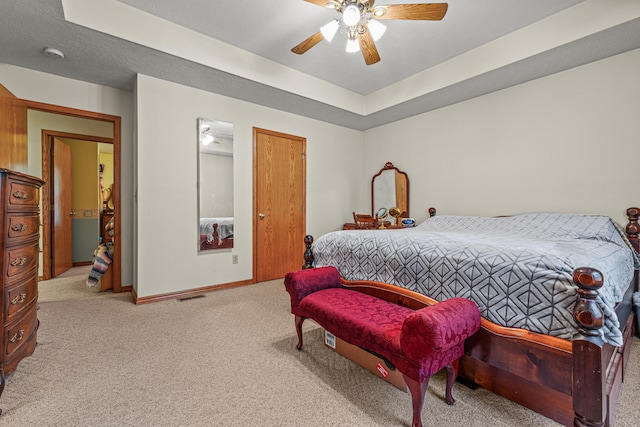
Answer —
(41, 87)
(569, 142)
(168, 260)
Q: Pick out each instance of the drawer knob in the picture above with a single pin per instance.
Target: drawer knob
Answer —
(19, 194)
(18, 299)
(17, 336)
(19, 227)
(19, 261)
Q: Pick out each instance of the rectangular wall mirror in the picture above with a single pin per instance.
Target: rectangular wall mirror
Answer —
(215, 184)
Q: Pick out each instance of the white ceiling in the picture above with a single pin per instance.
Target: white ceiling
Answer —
(328, 83)
(271, 28)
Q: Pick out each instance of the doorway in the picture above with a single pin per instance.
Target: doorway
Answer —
(72, 231)
(113, 121)
(279, 203)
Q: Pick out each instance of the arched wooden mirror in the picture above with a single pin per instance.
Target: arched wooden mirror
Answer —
(389, 189)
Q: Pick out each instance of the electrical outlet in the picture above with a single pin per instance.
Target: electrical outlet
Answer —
(234, 259)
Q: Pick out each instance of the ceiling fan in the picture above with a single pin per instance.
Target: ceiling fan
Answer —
(359, 21)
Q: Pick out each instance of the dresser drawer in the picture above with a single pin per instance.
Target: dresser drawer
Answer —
(17, 298)
(22, 227)
(20, 332)
(20, 261)
(22, 194)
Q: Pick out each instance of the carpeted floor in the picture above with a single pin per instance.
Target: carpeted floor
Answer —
(67, 286)
(227, 359)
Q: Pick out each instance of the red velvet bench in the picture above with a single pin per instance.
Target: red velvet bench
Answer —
(418, 342)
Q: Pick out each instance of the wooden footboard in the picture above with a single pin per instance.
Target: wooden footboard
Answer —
(575, 382)
(572, 382)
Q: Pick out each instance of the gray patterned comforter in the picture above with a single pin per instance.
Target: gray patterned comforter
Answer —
(518, 269)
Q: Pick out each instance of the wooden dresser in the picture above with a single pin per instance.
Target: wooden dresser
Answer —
(20, 225)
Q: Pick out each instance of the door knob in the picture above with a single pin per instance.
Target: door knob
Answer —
(261, 215)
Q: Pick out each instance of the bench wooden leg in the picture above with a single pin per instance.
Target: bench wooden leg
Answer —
(452, 373)
(299, 321)
(418, 391)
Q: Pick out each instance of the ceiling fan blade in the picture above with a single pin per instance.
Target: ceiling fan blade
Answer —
(308, 43)
(323, 3)
(423, 11)
(368, 47)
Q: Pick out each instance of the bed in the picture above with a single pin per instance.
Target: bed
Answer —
(216, 233)
(555, 291)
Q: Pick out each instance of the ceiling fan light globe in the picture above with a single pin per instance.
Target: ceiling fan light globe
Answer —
(351, 15)
(329, 30)
(377, 29)
(378, 11)
(352, 45)
(207, 139)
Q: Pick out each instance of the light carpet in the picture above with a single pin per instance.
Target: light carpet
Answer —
(67, 286)
(227, 359)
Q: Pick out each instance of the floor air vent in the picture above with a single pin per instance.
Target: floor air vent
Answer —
(190, 298)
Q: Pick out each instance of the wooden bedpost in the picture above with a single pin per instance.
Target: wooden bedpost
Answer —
(308, 255)
(586, 312)
(633, 228)
(589, 370)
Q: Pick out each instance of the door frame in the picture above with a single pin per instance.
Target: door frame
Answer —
(116, 265)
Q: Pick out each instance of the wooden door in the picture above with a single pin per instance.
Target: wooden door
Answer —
(279, 203)
(62, 210)
(13, 132)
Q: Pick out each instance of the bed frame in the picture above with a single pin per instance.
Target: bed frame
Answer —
(215, 243)
(574, 382)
